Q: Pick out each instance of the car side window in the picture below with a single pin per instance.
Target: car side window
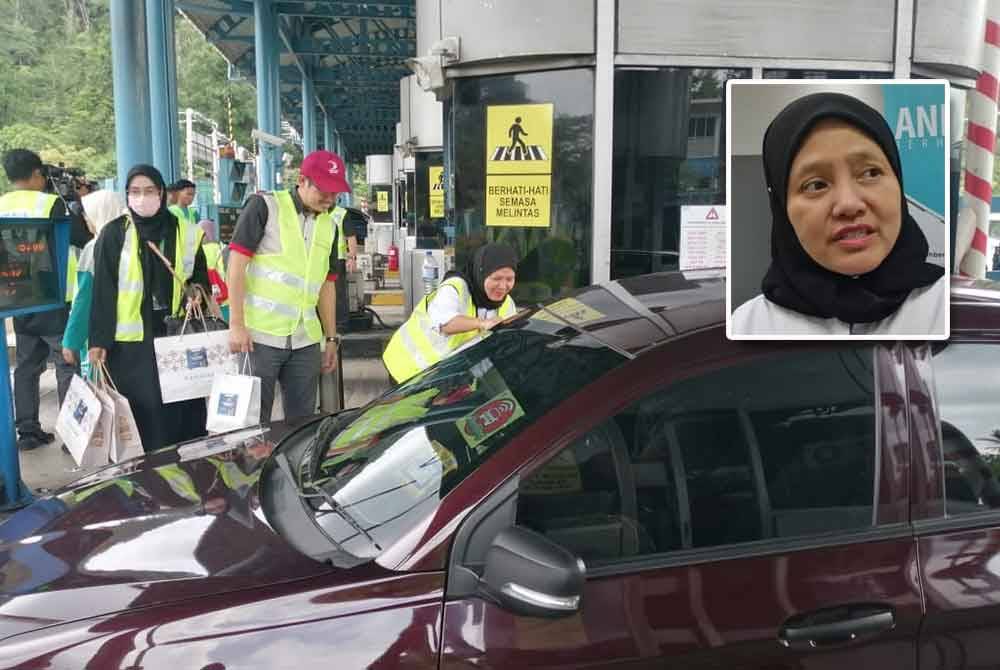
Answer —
(782, 446)
(967, 386)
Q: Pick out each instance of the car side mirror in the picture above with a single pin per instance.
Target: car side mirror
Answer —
(528, 574)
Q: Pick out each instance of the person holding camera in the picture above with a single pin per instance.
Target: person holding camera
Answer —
(38, 336)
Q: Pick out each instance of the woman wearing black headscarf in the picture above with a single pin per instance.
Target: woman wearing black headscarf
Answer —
(130, 357)
(460, 311)
(847, 258)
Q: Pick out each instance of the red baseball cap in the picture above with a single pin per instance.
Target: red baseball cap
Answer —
(326, 169)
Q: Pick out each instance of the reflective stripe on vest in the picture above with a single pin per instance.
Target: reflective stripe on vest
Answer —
(72, 266)
(283, 288)
(130, 282)
(417, 345)
(27, 204)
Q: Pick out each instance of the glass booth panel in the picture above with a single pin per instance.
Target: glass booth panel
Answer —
(669, 151)
(553, 237)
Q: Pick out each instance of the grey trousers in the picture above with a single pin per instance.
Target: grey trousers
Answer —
(298, 371)
(33, 352)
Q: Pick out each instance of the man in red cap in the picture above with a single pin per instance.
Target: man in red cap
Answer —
(282, 289)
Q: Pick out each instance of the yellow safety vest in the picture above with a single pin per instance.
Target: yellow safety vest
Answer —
(129, 326)
(213, 257)
(417, 345)
(27, 204)
(71, 269)
(38, 205)
(189, 217)
(283, 284)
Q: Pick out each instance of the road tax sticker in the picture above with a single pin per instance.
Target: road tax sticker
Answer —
(570, 309)
(499, 412)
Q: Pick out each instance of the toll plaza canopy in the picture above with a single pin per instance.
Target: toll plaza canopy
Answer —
(344, 58)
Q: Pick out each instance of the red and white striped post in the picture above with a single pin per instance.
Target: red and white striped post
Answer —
(972, 230)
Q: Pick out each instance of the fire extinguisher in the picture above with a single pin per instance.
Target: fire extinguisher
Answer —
(393, 257)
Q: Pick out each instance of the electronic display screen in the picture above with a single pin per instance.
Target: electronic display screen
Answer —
(29, 265)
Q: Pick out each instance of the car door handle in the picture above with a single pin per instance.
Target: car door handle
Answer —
(837, 625)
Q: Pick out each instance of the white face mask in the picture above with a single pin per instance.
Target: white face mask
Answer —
(144, 205)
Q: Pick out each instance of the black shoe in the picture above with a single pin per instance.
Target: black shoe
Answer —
(28, 442)
(40, 435)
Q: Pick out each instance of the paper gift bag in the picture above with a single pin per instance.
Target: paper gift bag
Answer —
(104, 433)
(125, 440)
(78, 420)
(234, 403)
(188, 364)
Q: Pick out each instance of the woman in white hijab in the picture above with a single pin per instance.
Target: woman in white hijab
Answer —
(99, 208)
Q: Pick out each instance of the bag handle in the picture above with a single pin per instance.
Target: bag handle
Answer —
(104, 376)
(197, 289)
(246, 364)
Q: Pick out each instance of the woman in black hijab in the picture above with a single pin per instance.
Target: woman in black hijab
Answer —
(133, 364)
(461, 310)
(847, 258)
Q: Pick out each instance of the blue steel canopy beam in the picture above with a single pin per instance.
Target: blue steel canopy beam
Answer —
(355, 46)
(349, 10)
(234, 7)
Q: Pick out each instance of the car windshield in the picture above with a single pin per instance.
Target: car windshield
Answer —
(376, 477)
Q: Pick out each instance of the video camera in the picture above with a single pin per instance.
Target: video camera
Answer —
(63, 181)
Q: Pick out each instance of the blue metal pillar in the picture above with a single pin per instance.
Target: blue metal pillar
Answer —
(268, 90)
(308, 115)
(163, 87)
(131, 86)
(328, 134)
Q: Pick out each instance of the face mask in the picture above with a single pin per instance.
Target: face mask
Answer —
(144, 205)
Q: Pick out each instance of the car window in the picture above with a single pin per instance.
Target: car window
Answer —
(968, 398)
(782, 446)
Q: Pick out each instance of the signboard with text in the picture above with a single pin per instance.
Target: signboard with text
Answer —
(703, 237)
(519, 165)
(435, 197)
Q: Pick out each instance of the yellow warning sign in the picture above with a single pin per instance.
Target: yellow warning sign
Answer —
(518, 200)
(519, 165)
(519, 139)
(435, 177)
(383, 201)
(570, 309)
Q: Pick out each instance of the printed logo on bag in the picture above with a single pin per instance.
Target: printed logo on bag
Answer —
(227, 404)
(80, 412)
(197, 358)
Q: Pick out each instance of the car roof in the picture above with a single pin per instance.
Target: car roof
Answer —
(675, 303)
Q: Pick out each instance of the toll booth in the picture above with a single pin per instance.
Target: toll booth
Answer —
(33, 262)
(578, 131)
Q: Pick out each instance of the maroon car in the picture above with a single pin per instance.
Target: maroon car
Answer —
(603, 482)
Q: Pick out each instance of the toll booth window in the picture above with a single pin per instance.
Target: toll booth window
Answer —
(523, 174)
(29, 276)
(669, 152)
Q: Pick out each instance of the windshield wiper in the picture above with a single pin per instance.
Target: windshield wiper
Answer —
(581, 331)
(319, 491)
(327, 427)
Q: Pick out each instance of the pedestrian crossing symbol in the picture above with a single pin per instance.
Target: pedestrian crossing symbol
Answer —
(435, 197)
(519, 139)
(518, 165)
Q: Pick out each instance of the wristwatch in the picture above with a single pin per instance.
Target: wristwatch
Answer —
(333, 338)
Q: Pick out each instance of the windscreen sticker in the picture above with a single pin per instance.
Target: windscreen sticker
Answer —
(560, 475)
(570, 309)
(499, 412)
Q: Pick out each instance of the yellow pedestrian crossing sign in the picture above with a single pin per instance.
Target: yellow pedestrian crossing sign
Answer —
(435, 179)
(519, 139)
(519, 165)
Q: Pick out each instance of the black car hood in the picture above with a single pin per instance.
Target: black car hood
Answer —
(179, 523)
